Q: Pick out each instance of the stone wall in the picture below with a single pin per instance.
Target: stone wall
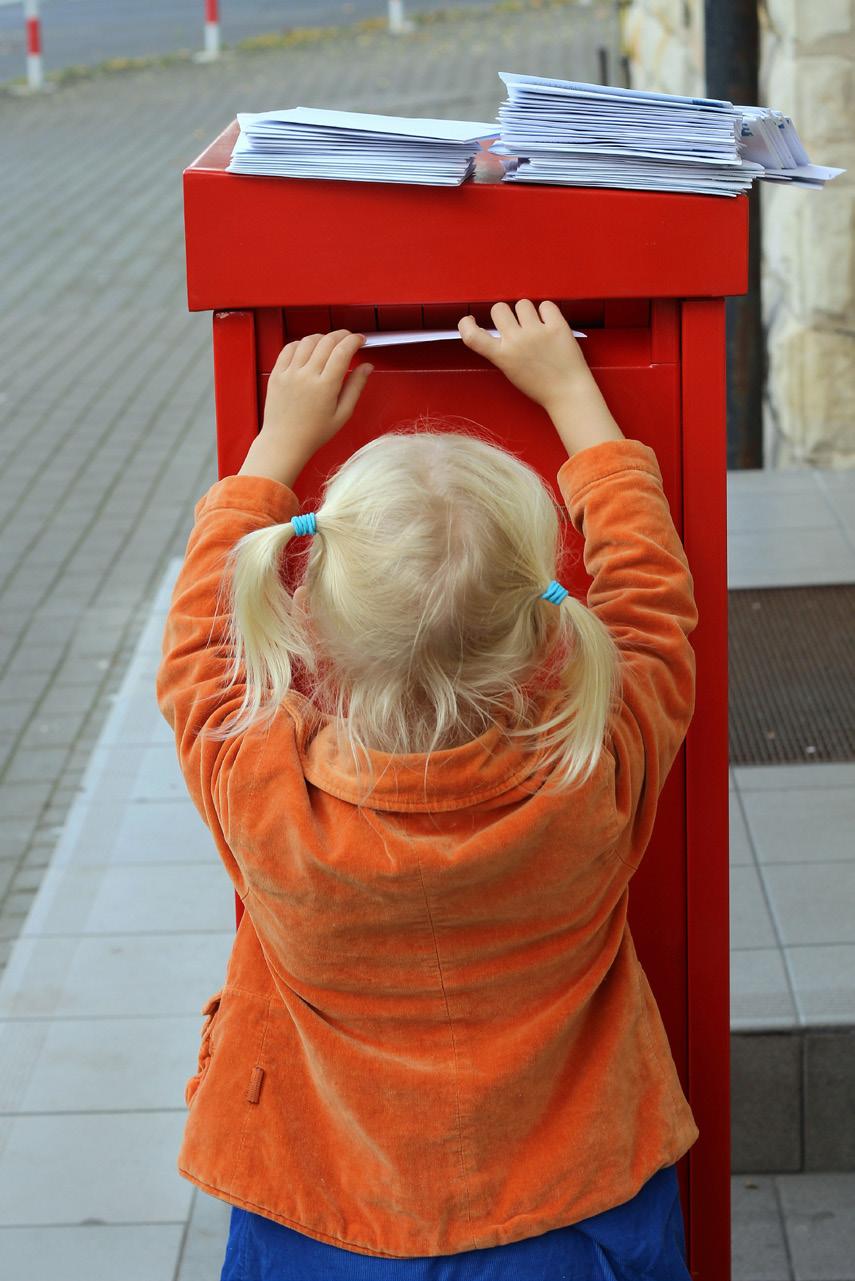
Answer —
(664, 40)
(807, 70)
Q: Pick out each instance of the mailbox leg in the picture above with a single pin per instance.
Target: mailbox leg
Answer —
(704, 446)
(235, 388)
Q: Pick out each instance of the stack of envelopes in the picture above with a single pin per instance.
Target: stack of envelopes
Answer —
(769, 138)
(589, 135)
(308, 142)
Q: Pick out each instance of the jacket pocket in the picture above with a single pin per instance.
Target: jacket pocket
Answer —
(211, 1009)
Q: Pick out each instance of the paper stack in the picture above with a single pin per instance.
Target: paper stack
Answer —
(769, 138)
(308, 142)
(587, 135)
(577, 134)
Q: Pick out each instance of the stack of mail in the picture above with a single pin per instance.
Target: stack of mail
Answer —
(587, 135)
(308, 142)
(769, 138)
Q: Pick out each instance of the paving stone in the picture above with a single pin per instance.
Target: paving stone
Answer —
(759, 1247)
(830, 1100)
(36, 764)
(8, 872)
(58, 729)
(26, 881)
(766, 1130)
(40, 855)
(819, 1223)
(23, 800)
(14, 714)
(16, 833)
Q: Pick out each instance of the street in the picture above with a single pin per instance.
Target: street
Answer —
(86, 32)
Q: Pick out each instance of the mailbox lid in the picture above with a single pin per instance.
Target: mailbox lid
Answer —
(253, 241)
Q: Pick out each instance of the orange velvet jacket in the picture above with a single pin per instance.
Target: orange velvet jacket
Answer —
(434, 1033)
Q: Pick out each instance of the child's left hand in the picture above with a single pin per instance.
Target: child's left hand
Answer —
(305, 404)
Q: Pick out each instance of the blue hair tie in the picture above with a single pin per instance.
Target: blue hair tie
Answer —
(555, 592)
(304, 524)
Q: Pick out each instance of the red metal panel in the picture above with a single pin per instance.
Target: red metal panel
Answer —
(406, 242)
(236, 398)
(359, 320)
(583, 313)
(300, 321)
(235, 387)
(665, 331)
(704, 466)
(442, 315)
(451, 384)
(578, 312)
(269, 336)
(481, 312)
(399, 316)
(621, 313)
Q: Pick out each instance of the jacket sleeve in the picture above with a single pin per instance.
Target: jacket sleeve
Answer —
(195, 662)
(643, 591)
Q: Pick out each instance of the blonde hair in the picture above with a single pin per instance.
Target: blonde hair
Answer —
(426, 619)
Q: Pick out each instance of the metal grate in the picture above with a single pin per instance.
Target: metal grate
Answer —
(791, 662)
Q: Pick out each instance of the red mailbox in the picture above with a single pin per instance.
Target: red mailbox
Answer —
(645, 274)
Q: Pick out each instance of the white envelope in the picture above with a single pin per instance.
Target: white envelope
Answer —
(362, 123)
(392, 337)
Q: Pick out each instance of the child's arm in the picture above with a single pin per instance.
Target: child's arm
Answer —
(643, 591)
(539, 354)
(642, 587)
(194, 662)
(308, 401)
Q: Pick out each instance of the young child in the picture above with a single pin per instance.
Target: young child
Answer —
(435, 1054)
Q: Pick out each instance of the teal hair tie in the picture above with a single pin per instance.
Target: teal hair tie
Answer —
(304, 524)
(555, 592)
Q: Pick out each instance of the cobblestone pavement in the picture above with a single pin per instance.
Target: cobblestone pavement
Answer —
(106, 393)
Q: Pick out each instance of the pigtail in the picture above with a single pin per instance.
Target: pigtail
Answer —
(265, 634)
(590, 682)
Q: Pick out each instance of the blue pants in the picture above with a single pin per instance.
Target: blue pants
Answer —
(641, 1240)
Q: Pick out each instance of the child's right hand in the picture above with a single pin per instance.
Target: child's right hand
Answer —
(538, 354)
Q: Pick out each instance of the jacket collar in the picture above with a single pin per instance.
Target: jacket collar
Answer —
(452, 778)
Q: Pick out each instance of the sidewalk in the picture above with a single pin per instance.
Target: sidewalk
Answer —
(108, 445)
